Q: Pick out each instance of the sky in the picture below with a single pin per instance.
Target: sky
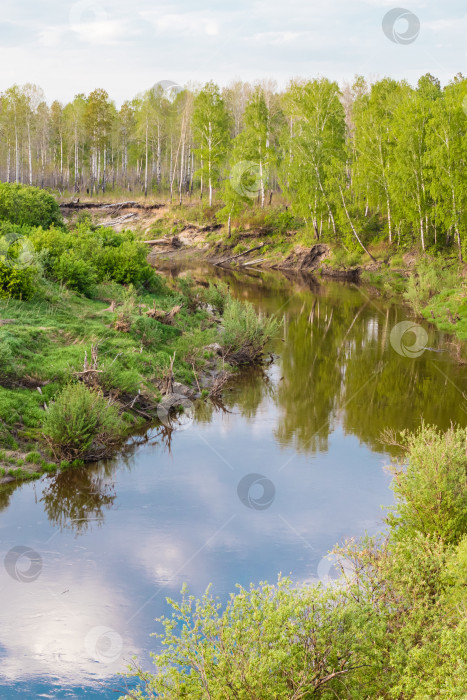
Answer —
(68, 47)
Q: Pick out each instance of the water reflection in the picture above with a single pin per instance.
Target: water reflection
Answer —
(75, 498)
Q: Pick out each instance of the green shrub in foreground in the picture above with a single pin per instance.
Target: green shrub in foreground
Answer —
(81, 422)
(432, 490)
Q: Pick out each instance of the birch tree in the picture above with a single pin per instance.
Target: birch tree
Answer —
(210, 123)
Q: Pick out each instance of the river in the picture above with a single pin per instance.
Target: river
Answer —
(291, 465)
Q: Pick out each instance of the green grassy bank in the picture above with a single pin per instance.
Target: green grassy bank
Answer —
(91, 338)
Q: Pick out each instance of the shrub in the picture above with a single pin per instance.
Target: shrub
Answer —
(81, 423)
(432, 490)
(191, 292)
(246, 332)
(393, 626)
(282, 221)
(216, 295)
(76, 273)
(125, 263)
(16, 282)
(28, 206)
(107, 255)
(265, 644)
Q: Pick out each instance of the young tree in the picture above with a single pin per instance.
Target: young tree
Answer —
(446, 156)
(210, 123)
(374, 142)
(253, 145)
(409, 176)
(99, 116)
(316, 139)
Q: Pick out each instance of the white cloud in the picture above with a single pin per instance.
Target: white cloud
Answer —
(51, 36)
(100, 32)
(186, 24)
(278, 37)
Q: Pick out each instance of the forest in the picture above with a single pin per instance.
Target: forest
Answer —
(360, 163)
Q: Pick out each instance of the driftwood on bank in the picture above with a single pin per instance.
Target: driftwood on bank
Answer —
(239, 255)
(175, 242)
(106, 205)
(253, 262)
(218, 385)
(166, 317)
(119, 220)
(159, 241)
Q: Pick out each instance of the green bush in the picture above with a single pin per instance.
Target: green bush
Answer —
(81, 422)
(191, 292)
(281, 221)
(28, 206)
(125, 263)
(246, 332)
(432, 490)
(216, 295)
(76, 273)
(100, 253)
(16, 282)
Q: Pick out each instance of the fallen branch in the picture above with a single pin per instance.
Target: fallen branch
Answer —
(175, 242)
(253, 262)
(218, 384)
(106, 205)
(167, 382)
(159, 241)
(239, 255)
(119, 220)
(166, 317)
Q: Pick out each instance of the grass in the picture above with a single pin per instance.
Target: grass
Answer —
(45, 342)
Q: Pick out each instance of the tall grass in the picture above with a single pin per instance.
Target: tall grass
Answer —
(246, 332)
(81, 423)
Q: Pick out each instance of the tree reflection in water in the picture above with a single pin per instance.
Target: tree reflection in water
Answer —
(76, 498)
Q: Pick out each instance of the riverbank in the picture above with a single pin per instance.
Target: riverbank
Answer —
(430, 283)
(110, 343)
(145, 356)
(94, 344)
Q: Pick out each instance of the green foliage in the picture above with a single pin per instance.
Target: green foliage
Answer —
(191, 292)
(211, 131)
(216, 295)
(30, 206)
(16, 282)
(33, 457)
(246, 332)
(265, 644)
(76, 273)
(432, 275)
(78, 419)
(432, 491)
(86, 256)
(282, 222)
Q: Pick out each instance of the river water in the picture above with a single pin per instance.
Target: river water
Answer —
(290, 466)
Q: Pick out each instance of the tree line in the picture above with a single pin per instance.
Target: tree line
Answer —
(358, 162)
